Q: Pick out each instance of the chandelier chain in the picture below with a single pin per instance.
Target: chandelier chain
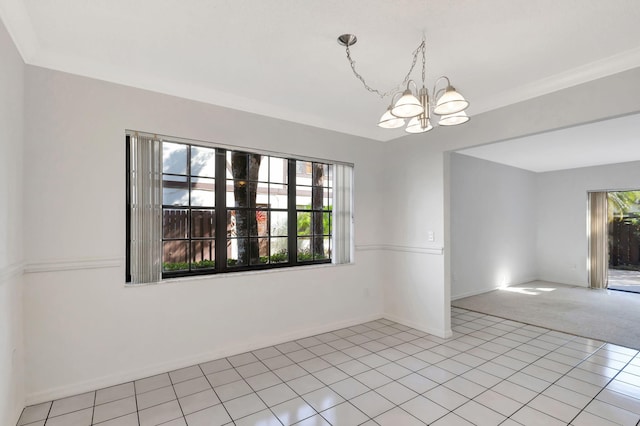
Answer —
(420, 48)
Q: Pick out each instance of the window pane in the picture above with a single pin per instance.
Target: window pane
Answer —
(262, 228)
(319, 173)
(175, 256)
(279, 223)
(202, 192)
(317, 197)
(203, 254)
(262, 195)
(321, 248)
(237, 223)
(256, 163)
(304, 223)
(237, 193)
(278, 170)
(278, 198)
(328, 198)
(259, 251)
(174, 158)
(174, 191)
(318, 223)
(263, 172)
(303, 196)
(325, 175)
(203, 161)
(237, 252)
(203, 224)
(303, 172)
(326, 223)
(237, 162)
(174, 223)
(279, 250)
(304, 249)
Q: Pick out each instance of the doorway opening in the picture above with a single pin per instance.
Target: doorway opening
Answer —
(623, 217)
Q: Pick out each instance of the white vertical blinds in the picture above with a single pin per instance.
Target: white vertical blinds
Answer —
(342, 213)
(598, 240)
(146, 209)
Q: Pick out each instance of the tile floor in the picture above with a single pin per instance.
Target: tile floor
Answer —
(492, 371)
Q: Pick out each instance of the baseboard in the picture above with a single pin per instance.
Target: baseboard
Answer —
(473, 293)
(234, 349)
(442, 333)
(487, 290)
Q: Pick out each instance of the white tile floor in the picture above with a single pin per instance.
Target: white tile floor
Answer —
(492, 371)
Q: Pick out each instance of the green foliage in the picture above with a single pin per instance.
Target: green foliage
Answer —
(304, 220)
(281, 256)
(623, 204)
(184, 266)
(306, 256)
(278, 257)
(204, 264)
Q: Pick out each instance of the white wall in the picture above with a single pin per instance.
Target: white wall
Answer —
(562, 217)
(11, 211)
(493, 226)
(414, 266)
(84, 329)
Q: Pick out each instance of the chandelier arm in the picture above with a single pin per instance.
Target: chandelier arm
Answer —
(399, 86)
(444, 77)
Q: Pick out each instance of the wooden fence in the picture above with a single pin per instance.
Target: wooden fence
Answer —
(624, 244)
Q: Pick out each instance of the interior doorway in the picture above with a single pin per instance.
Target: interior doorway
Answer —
(623, 230)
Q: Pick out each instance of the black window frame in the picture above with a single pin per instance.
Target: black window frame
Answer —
(222, 213)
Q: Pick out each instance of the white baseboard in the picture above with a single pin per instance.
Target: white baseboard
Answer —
(473, 293)
(442, 333)
(159, 368)
(487, 290)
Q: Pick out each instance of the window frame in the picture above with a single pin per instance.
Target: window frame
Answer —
(222, 211)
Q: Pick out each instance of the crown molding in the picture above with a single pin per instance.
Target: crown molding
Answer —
(18, 23)
(601, 68)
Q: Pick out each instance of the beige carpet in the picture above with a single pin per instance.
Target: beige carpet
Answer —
(607, 315)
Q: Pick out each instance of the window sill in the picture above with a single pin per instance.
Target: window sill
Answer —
(240, 274)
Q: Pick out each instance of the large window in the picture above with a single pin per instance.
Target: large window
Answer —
(225, 210)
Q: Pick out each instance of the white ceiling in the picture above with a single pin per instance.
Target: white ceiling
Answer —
(604, 142)
(280, 58)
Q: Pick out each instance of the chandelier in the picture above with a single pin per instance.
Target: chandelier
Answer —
(412, 103)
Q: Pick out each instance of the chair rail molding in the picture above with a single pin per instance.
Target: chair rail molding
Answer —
(9, 271)
(56, 265)
(435, 250)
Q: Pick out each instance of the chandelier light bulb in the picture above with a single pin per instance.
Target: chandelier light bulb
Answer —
(407, 106)
(450, 102)
(454, 119)
(390, 121)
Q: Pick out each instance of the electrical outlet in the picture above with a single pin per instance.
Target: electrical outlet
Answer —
(431, 237)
